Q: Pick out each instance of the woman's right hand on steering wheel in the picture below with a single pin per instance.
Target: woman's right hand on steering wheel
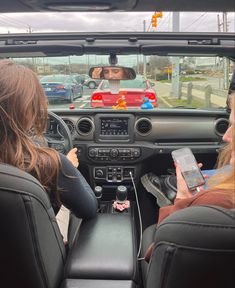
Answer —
(73, 158)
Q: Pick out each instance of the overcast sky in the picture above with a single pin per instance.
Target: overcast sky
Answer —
(104, 22)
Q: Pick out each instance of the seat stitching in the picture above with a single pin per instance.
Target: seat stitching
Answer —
(33, 229)
(229, 226)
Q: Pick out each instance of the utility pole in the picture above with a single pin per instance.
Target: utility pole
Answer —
(224, 25)
(69, 65)
(144, 57)
(33, 59)
(225, 22)
(175, 92)
(30, 29)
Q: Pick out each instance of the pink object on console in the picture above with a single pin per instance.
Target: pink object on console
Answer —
(121, 206)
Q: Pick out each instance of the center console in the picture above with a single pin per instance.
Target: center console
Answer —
(105, 249)
(104, 253)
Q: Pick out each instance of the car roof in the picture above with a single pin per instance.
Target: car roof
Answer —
(151, 43)
(121, 5)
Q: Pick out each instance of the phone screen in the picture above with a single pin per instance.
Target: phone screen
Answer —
(189, 168)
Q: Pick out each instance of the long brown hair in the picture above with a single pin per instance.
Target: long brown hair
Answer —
(23, 111)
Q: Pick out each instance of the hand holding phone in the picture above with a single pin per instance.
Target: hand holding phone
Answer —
(189, 168)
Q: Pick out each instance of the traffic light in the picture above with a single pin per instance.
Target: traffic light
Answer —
(159, 14)
(154, 20)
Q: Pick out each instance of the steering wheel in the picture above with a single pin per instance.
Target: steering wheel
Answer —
(63, 145)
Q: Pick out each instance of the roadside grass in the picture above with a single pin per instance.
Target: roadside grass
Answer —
(183, 102)
(185, 79)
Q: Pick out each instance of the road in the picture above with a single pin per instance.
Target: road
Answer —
(162, 90)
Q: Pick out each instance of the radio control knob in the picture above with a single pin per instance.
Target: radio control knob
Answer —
(136, 153)
(99, 173)
(113, 153)
(92, 152)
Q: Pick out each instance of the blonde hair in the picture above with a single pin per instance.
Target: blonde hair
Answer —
(23, 111)
(225, 181)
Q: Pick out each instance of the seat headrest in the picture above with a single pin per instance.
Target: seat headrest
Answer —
(20, 182)
(199, 226)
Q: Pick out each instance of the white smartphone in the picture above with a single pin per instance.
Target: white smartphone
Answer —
(189, 168)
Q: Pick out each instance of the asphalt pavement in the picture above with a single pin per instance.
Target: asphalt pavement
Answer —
(163, 91)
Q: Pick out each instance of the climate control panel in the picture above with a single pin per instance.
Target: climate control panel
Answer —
(117, 153)
(113, 173)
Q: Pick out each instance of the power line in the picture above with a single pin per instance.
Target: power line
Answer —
(202, 20)
(12, 20)
(164, 20)
(202, 15)
(7, 23)
(15, 23)
(148, 30)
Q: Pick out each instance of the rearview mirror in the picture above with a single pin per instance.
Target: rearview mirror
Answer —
(112, 73)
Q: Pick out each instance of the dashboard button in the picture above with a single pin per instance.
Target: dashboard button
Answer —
(93, 152)
(113, 153)
(99, 173)
(110, 176)
(136, 153)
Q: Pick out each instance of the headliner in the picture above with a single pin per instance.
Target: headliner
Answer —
(127, 5)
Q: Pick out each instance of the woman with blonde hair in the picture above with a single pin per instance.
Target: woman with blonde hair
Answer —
(221, 190)
(23, 113)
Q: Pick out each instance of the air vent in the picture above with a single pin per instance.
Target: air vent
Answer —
(85, 126)
(221, 125)
(143, 126)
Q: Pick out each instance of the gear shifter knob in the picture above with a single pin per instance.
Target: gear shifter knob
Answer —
(98, 191)
(121, 193)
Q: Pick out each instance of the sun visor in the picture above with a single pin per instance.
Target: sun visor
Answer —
(81, 5)
(168, 50)
(40, 50)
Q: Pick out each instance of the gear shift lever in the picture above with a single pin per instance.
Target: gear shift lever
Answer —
(98, 194)
(121, 202)
(98, 191)
(121, 194)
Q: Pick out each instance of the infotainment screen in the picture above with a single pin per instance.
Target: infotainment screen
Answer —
(114, 126)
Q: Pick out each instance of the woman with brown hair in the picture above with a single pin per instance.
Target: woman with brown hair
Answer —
(113, 73)
(23, 113)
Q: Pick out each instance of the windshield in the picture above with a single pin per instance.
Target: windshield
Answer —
(173, 82)
(169, 79)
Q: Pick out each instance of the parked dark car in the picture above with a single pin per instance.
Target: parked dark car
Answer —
(61, 87)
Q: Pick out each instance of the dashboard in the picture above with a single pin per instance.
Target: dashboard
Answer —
(111, 145)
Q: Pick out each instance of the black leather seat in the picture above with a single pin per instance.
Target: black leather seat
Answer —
(194, 248)
(32, 249)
